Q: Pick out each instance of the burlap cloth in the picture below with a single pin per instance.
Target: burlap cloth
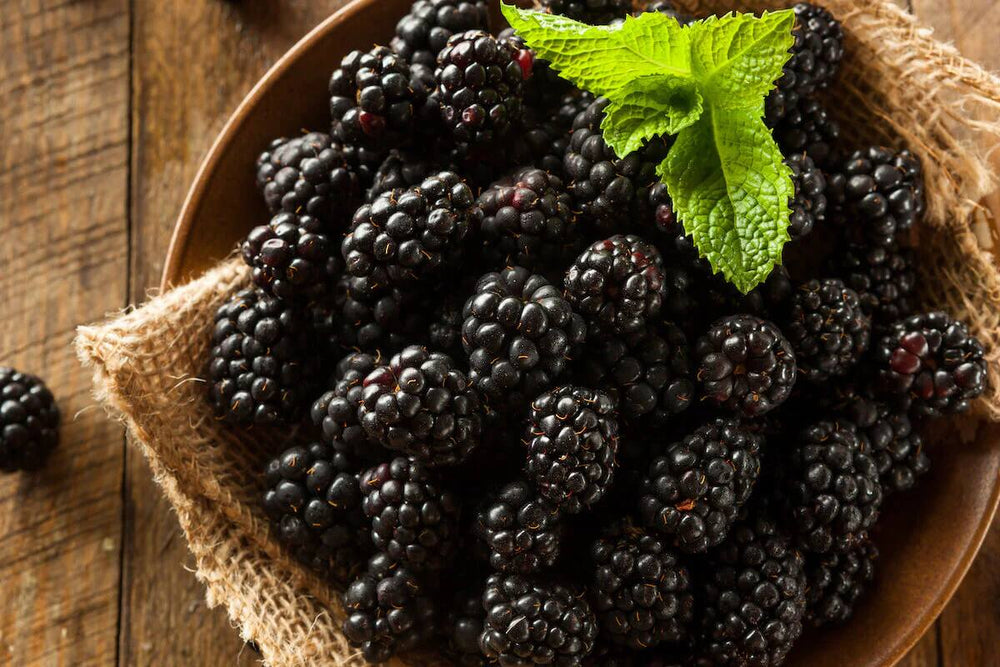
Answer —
(897, 86)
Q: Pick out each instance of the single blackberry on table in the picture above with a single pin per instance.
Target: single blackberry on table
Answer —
(424, 32)
(808, 128)
(827, 328)
(400, 170)
(29, 421)
(884, 279)
(314, 504)
(336, 411)
(520, 334)
(312, 175)
(293, 257)
(263, 366)
(520, 530)
(610, 192)
(389, 610)
(641, 591)
(531, 622)
(408, 235)
(414, 520)
(754, 600)
(373, 101)
(835, 581)
(809, 203)
(617, 284)
(930, 364)
(593, 12)
(422, 405)
(745, 364)
(829, 487)
(528, 221)
(693, 492)
(816, 55)
(648, 371)
(480, 82)
(572, 440)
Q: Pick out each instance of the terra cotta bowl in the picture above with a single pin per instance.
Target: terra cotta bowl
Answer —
(929, 537)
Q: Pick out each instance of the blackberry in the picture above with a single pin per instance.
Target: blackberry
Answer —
(809, 204)
(423, 406)
(745, 364)
(336, 411)
(373, 317)
(407, 235)
(424, 32)
(881, 190)
(544, 89)
(808, 128)
(312, 175)
(572, 439)
(898, 450)
(519, 333)
(480, 82)
(641, 591)
(292, 257)
(648, 371)
(520, 530)
(884, 279)
(829, 488)
(693, 492)
(463, 626)
(372, 99)
(930, 364)
(444, 333)
(314, 505)
(262, 367)
(827, 329)
(754, 599)
(530, 622)
(617, 284)
(414, 520)
(816, 55)
(593, 12)
(836, 581)
(29, 421)
(610, 192)
(399, 170)
(389, 610)
(528, 221)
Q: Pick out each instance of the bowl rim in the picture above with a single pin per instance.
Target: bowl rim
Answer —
(173, 272)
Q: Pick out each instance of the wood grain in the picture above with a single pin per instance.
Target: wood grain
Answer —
(64, 81)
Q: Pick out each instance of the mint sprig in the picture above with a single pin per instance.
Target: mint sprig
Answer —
(706, 83)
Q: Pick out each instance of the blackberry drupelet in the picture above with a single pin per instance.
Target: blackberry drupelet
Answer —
(693, 492)
(312, 174)
(520, 530)
(745, 364)
(336, 411)
(809, 204)
(572, 439)
(414, 520)
(884, 279)
(836, 581)
(263, 367)
(610, 192)
(424, 32)
(29, 421)
(408, 235)
(400, 170)
(617, 285)
(480, 83)
(422, 405)
(593, 12)
(930, 364)
(314, 504)
(827, 328)
(531, 622)
(528, 221)
(373, 101)
(641, 591)
(754, 598)
(829, 488)
(293, 257)
(389, 610)
(648, 371)
(520, 334)
(816, 55)
(808, 128)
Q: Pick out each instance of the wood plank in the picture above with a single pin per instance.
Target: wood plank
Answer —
(194, 62)
(64, 81)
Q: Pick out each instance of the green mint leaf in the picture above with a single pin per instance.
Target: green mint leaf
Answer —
(652, 106)
(731, 189)
(737, 57)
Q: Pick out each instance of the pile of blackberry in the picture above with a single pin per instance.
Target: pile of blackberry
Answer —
(542, 431)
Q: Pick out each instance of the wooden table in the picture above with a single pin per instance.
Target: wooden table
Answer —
(106, 109)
